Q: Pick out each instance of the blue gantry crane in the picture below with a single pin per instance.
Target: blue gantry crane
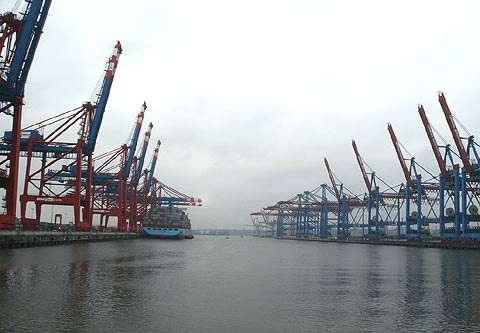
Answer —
(351, 208)
(383, 207)
(423, 193)
(449, 184)
(470, 178)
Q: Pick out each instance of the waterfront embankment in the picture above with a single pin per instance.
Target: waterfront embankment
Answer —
(18, 239)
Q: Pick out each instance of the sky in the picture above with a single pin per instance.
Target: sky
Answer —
(249, 96)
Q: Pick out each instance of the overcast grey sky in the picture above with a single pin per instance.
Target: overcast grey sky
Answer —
(248, 97)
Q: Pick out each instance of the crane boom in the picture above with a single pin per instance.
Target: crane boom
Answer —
(362, 169)
(26, 45)
(456, 136)
(103, 97)
(152, 167)
(133, 142)
(169, 195)
(332, 179)
(401, 159)
(433, 142)
(18, 43)
(143, 152)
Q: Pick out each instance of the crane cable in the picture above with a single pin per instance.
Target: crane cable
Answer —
(461, 125)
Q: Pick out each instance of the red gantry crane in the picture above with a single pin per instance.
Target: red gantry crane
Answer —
(19, 38)
(144, 195)
(65, 175)
(133, 193)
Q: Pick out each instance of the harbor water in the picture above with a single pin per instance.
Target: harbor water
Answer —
(238, 284)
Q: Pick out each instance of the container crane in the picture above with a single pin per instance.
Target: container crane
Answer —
(373, 194)
(75, 178)
(401, 159)
(343, 208)
(108, 180)
(107, 187)
(101, 102)
(19, 38)
(163, 195)
(470, 178)
(413, 190)
(112, 195)
(332, 180)
(133, 142)
(435, 147)
(298, 216)
(455, 134)
(166, 195)
(312, 213)
(368, 184)
(133, 194)
(144, 196)
(449, 184)
(152, 167)
(18, 43)
(383, 208)
(143, 152)
(265, 226)
(346, 204)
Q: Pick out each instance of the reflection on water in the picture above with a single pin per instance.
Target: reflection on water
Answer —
(413, 306)
(240, 284)
(460, 302)
(372, 300)
(75, 309)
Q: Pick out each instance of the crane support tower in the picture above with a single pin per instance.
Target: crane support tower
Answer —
(133, 194)
(383, 207)
(144, 195)
(449, 182)
(153, 165)
(470, 178)
(19, 38)
(350, 208)
(64, 177)
(134, 140)
(313, 214)
(415, 194)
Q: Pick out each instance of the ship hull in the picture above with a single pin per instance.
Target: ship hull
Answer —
(167, 222)
(167, 233)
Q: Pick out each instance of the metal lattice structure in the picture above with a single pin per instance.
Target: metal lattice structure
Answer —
(19, 37)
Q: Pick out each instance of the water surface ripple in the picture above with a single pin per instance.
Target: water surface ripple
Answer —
(214, 284)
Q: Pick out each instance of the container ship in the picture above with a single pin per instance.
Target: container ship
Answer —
(167, 222)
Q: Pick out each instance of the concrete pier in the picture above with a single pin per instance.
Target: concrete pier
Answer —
(395, 242)
(17, 239)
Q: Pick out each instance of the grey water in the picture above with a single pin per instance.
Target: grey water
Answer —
(240, 284)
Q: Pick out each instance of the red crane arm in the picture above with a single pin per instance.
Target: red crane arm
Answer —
(362, 169)
(433, 142)
(401, 159)
(332, 179)
(455, 134)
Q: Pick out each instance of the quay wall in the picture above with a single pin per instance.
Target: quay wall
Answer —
(394, 242)
(18, 239)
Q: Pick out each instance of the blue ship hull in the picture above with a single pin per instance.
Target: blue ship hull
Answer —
(167, 233)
